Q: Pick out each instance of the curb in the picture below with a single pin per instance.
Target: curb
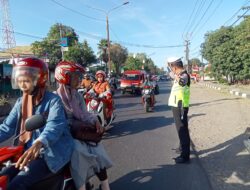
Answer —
(233, 92)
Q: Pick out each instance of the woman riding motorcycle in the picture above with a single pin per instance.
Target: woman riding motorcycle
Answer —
(102, 88)
(30, 76)
(86, 160)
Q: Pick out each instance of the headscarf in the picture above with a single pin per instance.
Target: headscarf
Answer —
(71, 102)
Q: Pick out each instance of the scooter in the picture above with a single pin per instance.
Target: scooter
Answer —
(95, 105)
(9, 155)
(147, 99)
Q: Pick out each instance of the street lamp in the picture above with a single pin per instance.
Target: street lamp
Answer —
(107, 28)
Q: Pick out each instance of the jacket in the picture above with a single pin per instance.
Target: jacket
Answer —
(55, 135)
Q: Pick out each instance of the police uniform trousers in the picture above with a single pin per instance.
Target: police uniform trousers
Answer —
(181, 122)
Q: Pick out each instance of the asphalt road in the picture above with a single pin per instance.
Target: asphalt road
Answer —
(140, 145)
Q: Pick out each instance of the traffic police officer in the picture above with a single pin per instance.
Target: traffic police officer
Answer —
(179, 101)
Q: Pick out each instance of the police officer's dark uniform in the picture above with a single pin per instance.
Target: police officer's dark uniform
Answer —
(179, 101)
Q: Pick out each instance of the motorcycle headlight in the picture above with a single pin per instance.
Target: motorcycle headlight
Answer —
(93, 103)
(146, 91)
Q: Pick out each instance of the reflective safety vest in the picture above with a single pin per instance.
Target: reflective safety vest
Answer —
(179, 95)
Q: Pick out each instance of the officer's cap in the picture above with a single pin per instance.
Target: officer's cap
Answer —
(175, 61)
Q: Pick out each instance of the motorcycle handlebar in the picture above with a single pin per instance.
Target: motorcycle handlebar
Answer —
(9, 164)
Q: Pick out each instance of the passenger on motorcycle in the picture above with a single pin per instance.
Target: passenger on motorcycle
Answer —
(149, 82)
(87, 82)
(102, 88)
(30, 76)
(87, 160)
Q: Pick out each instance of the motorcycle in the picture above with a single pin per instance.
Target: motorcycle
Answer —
(147, 99)
(96, 105)
(9, 155)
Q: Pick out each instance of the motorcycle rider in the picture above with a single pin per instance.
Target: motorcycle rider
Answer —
(86, 160)
(149, 82)
(102, 88)
(87, 82)
(30, 76)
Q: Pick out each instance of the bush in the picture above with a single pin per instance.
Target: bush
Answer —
(3, 101)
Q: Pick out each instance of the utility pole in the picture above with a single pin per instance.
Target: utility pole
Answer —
(189, 67)
(7, 28)
(108, 41)
(60, 27)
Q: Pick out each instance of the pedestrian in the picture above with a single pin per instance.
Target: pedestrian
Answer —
(30, 76)
(179, 101)
(87, 159)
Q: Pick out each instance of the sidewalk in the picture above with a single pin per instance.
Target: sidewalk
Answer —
(218, 123)
(238, 90)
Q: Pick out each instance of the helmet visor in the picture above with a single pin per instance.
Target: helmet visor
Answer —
(31, 72)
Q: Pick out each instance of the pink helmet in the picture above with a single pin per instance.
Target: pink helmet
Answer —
(33, 67)
(100, 72)
(63, 68)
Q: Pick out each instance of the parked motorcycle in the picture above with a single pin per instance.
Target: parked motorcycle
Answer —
(9, 155)
(147, 99)
(95, 104)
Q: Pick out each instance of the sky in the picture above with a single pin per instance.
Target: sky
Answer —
(158, 28)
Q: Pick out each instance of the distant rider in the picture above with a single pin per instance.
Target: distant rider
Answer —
(102, 89)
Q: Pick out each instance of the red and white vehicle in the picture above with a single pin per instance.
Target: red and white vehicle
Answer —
(132, 81)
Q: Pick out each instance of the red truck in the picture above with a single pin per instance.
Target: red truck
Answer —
(132, 81)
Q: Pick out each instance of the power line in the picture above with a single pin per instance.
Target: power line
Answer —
(235, 14)
(211, 2)
(209, 17)
(196, 15)
(189, 19)
(99, 38)
(77, 12)
(240, 17)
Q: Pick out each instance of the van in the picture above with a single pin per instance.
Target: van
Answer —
(132, 81)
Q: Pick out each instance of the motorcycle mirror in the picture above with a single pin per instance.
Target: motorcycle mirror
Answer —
(34, 122)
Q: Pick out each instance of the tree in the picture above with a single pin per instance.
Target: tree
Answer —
(141, 61)
(102, 51)
(51, 49)
(81, 53)
(118, 56)
(228, 51)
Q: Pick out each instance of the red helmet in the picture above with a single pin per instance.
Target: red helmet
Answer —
(33, 67)
(65, 67)
(100, 72)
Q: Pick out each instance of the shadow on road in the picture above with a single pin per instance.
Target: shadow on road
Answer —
(164, 177)
(231, 164)
(162, 107)
(213, 102)
(137, 125)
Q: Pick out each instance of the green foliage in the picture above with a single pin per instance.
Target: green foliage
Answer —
(80, 53)
(50, 47)
(118, 56)
(3, 101)
(140, 61)
(228, 50)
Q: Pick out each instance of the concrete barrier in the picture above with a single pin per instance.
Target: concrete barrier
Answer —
(233, 92)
